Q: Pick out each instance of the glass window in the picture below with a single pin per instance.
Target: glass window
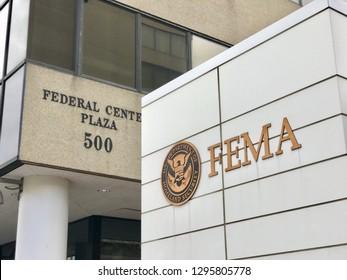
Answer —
(164, 54)
(109, 43)
(120, 250)
(178, 46)
(120, 229)
(98, 237)
(109, 48)
(120, 239)
(162, 41)
(18, 33)
(203, 49)
(11, 119)
(78, 240)
(52, 32)
(148, 37)
(7, 251)
(1, 100)
(299, 2)
(3, 28)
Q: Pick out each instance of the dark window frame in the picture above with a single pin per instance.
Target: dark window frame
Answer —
(78, 44)
(138, 41)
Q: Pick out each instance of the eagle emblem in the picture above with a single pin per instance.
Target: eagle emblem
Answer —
(181, 173)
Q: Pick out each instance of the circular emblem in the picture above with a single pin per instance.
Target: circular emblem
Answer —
(180, 173)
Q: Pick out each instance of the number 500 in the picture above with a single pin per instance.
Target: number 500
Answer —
(97, 142)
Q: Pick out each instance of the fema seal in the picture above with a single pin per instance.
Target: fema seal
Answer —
(180, 173)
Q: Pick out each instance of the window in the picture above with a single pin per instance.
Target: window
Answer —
(203, 49)
(120, 239)
(3, 33)
(105, 41)
(115, 50)
(164, 54)
(299, 2)
(52, 32)
(104, 238)
(109, 43)
(7, 251)
(18, 33)
(120, 250)
(11, 119)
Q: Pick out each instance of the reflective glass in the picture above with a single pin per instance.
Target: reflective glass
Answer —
(148, 37)
(163, 54)
(11, 120)
(1, 93)
(162, 41)
(18, 33)
(52, 32)
(178, 46)
(120, 239)
(98, 237)
(203, 49)
(3, 28)
(109, 43)
(7, 251)
(78, 246)
(120, 250)
(297, 1)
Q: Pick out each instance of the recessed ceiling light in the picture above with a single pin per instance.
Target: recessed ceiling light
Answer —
(104, 190)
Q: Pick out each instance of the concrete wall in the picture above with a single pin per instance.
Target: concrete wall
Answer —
(290, 205)
(57, 131)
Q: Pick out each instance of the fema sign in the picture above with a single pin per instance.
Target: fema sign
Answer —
(182, 167)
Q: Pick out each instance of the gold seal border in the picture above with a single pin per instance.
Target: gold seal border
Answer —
(198, 177)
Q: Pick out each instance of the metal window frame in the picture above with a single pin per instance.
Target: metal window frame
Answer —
(138, 41)
(4, 75)
(78, 51)
(298, 2)
(138, 52)
(78, 47)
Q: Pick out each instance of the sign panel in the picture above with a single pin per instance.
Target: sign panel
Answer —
(76, 123)
(181, 169)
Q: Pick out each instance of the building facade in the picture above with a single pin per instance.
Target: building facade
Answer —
(72, 75)
(252, 163)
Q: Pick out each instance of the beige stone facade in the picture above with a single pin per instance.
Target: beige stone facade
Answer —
(62, 111)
